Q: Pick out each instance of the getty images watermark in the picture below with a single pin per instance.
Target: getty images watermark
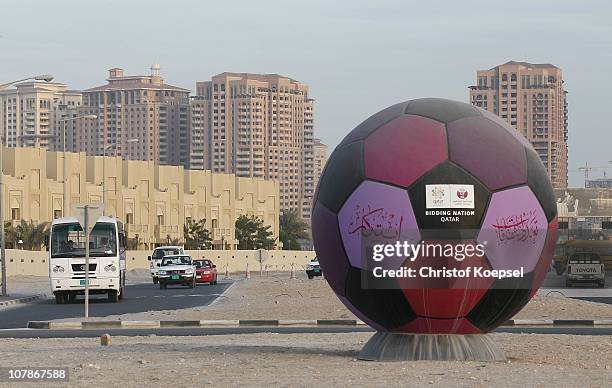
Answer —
(424, 250)
(466, 258)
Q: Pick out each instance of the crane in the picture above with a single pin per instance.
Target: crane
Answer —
(586, 168)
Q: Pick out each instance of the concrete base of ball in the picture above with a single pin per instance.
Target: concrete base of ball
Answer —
(384, 346)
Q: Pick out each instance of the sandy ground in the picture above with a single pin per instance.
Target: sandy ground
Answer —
(278, 297)
(311, 359)
(325, 360)
(19, 286)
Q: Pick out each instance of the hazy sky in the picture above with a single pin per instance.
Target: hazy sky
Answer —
(357, 56)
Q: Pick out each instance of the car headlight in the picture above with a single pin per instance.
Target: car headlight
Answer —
(189, 272)
(308, 268)
(206, 272)
(162, 272)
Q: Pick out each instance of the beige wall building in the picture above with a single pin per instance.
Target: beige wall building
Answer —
(139, 118)
(532, 98)
(258, 125)
(30, 113)
(153, 201)
(320, 158)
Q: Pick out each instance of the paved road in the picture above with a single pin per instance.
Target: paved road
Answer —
(37, 333)
(139, 298)
(554, 285)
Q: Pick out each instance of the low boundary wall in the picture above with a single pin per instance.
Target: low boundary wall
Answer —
(35, 263)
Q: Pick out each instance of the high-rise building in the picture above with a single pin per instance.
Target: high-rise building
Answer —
(320, 158)
(139, 118)
(532, 98)
(260, 126)
(30, 113)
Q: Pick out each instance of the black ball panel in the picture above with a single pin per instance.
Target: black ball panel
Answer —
(448, 172)
(539, 182)
(343, 173)
(374, 122)
(385, 304)
(441, 109)
(504, 299)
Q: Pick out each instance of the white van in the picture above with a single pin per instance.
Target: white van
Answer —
(157, 256)
(585, 267)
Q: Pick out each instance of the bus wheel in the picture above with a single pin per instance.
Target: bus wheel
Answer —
(71, 298)
(113, 296)
(60, 298)
(122, 293)
(154, 280)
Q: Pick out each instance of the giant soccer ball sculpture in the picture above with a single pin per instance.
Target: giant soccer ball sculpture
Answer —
(491, 188)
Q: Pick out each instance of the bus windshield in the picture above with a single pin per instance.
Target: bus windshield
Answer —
(68, 240)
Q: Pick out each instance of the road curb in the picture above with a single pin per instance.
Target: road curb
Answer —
(528, 322)
(258, 322)
(219, 322)
(25, 299)
(140, 324)
(52, 325)
(336, 322)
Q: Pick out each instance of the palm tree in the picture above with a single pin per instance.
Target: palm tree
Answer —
(10, 235)
(291, 229)
(32, 235)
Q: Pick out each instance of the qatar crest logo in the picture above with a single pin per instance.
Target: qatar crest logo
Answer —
(462, 193)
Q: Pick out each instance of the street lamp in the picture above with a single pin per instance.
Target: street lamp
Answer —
(104, 149)
(43, 77)
(65, 183)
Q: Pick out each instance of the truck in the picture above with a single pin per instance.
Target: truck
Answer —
(565, 250)
(66, 246)
(585, 267)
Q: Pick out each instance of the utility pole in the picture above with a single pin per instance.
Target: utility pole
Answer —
(87, 215)
(65, 207)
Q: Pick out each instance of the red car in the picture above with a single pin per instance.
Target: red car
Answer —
(206, 271)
